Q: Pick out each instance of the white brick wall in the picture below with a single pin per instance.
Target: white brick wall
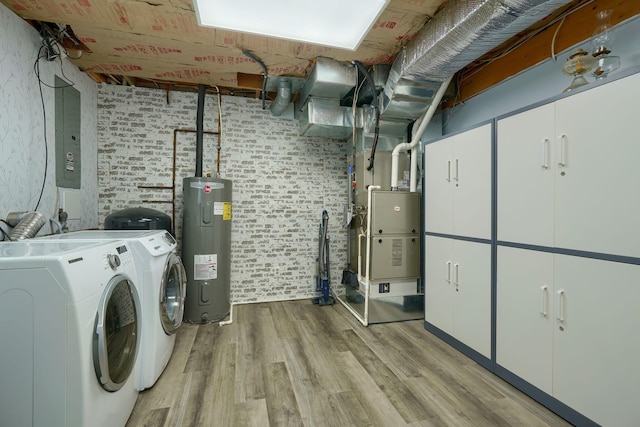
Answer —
(281, 181)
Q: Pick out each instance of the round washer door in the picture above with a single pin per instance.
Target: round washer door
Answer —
(117, 333)
(172, 294)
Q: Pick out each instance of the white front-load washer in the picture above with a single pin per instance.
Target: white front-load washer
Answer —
(70, 333)
(164, 282)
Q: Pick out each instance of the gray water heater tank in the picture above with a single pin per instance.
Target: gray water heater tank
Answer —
(206, 248)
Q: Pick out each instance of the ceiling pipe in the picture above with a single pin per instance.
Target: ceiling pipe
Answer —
(283, 97)
(414, 142)
(202, 90)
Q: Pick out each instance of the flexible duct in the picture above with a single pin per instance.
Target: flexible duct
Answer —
(460, 33)
(202, 89)
(283, 97)
(29, 225)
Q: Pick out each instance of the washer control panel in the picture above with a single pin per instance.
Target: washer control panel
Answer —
(113, 260)
(121, 255)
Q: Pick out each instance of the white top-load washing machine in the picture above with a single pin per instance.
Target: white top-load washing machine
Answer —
(69, 333)
(163, 282)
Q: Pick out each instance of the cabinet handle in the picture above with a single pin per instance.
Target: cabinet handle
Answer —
(562, 147)
(545, 153)
(561, 298)
(456, 267)
(456, 175)
(544, 291)
(449, 272)
(449, 171)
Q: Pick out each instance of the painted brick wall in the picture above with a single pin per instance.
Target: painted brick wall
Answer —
(281, 181)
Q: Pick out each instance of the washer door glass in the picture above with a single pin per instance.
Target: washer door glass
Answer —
(116, 335)
(172, 294)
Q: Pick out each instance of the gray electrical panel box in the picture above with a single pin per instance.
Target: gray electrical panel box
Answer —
(68, 164)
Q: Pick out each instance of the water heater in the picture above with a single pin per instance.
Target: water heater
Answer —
(206, 248)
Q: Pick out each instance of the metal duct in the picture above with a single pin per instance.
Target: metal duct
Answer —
(283, 98)
(325, 117)
(328, 79)
(460, 33)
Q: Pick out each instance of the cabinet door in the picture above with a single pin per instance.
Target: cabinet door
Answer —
(439, 171)
(597, 199)
(472, 295)
(471, 170)
(439, 283)
(524, 326)
(596, 344)
(526, 177)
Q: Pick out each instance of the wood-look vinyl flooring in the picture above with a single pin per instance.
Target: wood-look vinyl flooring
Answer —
(297, 364)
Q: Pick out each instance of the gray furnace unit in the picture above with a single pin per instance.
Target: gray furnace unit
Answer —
(206, 248)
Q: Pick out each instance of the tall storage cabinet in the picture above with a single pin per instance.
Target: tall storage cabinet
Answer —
(568, 251)
(458, 203)
(567, 172)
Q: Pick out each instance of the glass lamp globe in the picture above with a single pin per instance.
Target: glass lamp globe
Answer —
(602, 43)
(578, 63)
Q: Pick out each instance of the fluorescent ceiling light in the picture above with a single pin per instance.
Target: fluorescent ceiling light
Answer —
(336, 23)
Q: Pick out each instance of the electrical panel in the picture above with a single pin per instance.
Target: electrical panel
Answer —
(68, 163)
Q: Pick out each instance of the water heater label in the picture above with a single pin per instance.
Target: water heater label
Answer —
(205, 267)
(222, 209)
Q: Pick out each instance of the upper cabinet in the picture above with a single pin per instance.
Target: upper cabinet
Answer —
(458, 184)
(526, 177)
(568, 175)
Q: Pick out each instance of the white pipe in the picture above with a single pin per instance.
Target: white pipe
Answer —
(369, 191)
(230, 321)
(415, 140)
(369, 235)
(360, 236)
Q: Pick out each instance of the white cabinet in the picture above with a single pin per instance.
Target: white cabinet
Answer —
(525, 196)
(524, 315)
(568, 174)
(568, 325)
(458, 184)
(458, 290)
(595, 342)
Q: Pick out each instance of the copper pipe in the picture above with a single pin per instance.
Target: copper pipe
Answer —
(173, 174)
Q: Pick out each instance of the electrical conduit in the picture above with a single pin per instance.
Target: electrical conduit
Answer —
(414, 142)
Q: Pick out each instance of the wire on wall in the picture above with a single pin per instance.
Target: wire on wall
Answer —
(49, 50)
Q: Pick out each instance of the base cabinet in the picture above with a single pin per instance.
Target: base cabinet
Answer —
(458, 291)
(524, 315)
(568, 325)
